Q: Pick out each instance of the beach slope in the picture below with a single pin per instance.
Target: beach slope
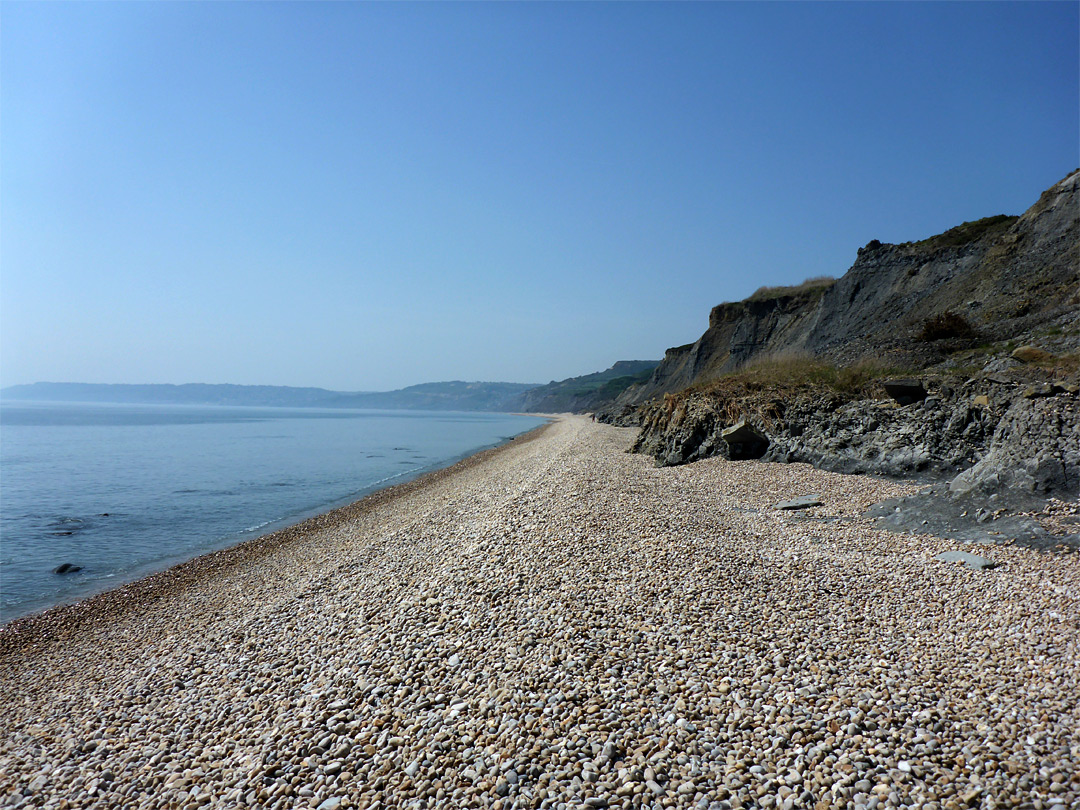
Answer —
(558, 623)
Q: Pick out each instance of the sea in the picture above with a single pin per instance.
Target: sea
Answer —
(124, 491)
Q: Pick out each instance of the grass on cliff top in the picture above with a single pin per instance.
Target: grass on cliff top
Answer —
(968, 232)
(811, 287)
(759, 389)
(793, 373)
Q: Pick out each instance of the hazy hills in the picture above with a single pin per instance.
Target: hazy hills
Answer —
(574, 394)
(463, 396)
(984, 283)
(587, 392)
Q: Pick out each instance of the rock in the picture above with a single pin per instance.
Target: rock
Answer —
(744, 441)
(972, 561)
(1033, 454)
(905, 391)
(1031, 354)
(802, 502)
(1000, 364)
(330, 804)
(981, 401)
(67, 568)
(1039, 391)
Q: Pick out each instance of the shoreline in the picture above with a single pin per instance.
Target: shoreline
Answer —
(61, 620)
(557, 623)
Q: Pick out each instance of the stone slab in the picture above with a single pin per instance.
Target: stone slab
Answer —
(802, 502)
(972, 561)
(905, 391)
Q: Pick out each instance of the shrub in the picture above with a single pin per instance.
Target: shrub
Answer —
(948, 324)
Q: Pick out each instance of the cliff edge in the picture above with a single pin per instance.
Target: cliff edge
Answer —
(995, 279)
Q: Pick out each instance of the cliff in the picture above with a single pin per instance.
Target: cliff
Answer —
(809, 374)
(993, 279)
(587, 392)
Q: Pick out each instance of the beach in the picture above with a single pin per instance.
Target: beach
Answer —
(558, 623)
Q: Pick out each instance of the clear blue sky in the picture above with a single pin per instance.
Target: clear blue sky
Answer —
(365, 196)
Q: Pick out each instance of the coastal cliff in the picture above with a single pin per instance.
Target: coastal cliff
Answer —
(955, 359)
(996, 279)
(587, 392)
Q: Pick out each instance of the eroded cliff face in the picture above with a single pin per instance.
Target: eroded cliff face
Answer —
(1006, 437)
(990, 436)
(1003, 275)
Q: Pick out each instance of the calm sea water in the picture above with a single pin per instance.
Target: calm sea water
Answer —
(126, 490)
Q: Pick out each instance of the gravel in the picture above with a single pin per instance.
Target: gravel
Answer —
(561, 624)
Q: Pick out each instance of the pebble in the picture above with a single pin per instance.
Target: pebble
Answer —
(562, 625)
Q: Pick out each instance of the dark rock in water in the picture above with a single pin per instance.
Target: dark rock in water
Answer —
(67, 568)
(802, 502)
(972, 561)
(905, 391)
(744, 441)
(104, 514)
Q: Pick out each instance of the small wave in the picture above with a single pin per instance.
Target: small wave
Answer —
(257, 527)
(395, 475)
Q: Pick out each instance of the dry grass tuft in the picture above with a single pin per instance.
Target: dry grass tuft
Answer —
(761, 388)
(948, 324)
(815, 285)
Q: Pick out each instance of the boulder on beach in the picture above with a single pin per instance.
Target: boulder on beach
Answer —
(744, 441)
(905, 391)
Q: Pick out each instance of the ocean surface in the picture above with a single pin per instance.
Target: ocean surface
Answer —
(127, 490)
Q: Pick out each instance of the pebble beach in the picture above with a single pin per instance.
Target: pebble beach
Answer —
(560, 624)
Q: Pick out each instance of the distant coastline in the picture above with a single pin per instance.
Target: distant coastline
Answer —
(451, 396)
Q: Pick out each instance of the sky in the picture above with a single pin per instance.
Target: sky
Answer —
(364, 196)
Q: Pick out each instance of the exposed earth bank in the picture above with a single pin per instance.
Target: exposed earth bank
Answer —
(995, 445)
